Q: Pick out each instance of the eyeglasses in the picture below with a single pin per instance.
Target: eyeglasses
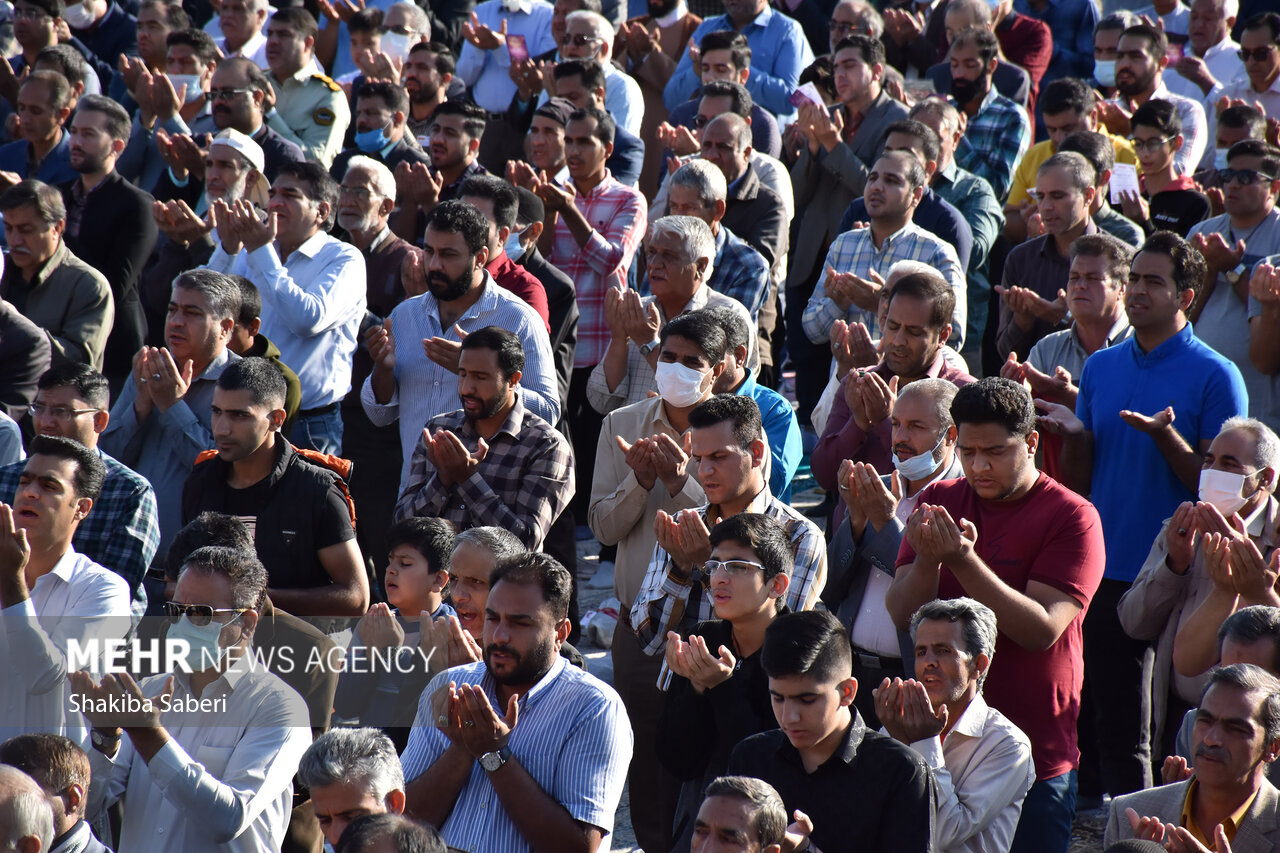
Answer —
(199, 614)
(1258, 54)
(400, 30)
(577, 39)
(1149, 144)
(840, 26)
(58, 413)
(227, 94)
(358, 193)
(732, 568)
(1244, 176)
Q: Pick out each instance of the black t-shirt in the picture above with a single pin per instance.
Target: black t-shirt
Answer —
(1177, 211)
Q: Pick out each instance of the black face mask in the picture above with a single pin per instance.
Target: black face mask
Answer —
(965, 91)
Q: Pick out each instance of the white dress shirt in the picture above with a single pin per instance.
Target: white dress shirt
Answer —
(1195, 127)
(312, 305)
(487, 72)
(224, 781)
(1223, 63)
(983, 771)
(255, 48)
(77, 600)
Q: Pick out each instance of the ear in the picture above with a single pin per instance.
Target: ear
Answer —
(608, 150)
(944, 334)
(514, 381)
(225, 327)
(719, 208)
(1267, 478)
(981, 663)
(503, 233)
(100, 421)
(83, 505)
(259, 98)
(59, 227)
(952, 434)
(473, 146)
(740, 354)
(779, 585)
(394, 801)
(1185, 299)
(255, 326)
(74, 796)
(877, 72)
(309, 44)
(847, 690)
(534, 230)
(1033, 441)
(398, 118)
(277, 418)
(562, 632)
(701, 265)
(323, 211)
(445, 80)
(1178, 142)
(482, 256)
(991, 66)
(1091, 193)
(248, 622)
(759, 452)
(387, 205)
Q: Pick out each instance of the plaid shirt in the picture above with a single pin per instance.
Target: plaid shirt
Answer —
(121, 532)
(523, 483)
(618, 216)
(997, 138)
(671, 601)
(739, 271)
(855, 252)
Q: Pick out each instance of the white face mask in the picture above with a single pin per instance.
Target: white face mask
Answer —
(1223, 489)
(78, 17)
(396, 46)
(191, 81)
(1104, 71)
(681, 386)
(1220, 158)
(917, 468)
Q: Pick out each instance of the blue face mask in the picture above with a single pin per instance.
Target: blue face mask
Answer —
(370, 141)
(513, 249)
(203, 650)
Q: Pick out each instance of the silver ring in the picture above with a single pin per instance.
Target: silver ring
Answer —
(142, 379)
(155, 377)
(844, 488)
(1182, 531)
(441, 720)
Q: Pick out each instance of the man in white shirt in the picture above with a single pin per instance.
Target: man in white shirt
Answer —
(981, 762)
(241, 23)
(1260, 53)
(1210, 58)
(313, 290)
(485, 62)
(51, 596)
(213, 746)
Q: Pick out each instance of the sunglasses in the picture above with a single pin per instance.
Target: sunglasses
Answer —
(199, 614)
(1258, 54)
(732, 568)
(1244, 176)
(226, 94)
(577, 39)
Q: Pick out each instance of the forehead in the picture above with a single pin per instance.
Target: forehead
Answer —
(35, 90)
(1245, 161)
(847, 55)
(290, 183)
(1227, 700)
(1064, 118)
(470, 560)
(1054, 177)
(909, 311)
(915, 407)
(845, 13)
(680, 194)
(371, 102)
(280, 30)
(731, 813)
(1090, 265)
(229, 75)
(89, 119)
(1152, 264)
(239, 400)
(716, 435)
(799, 685)
(964, 50)
(984, 435)
(1134, 42)
(395, 17)
(898, 140)
(510, 597)
(580, 26)
(718, 56)
(450, 121)
(891, 166)
(713, 105)
(151, 13)
(224, 155)
(1260, 652)
(480, 359)
(203, 588)
(61, 395)
(546, 125)
(732, 549)
(51, 467)
(682, 347)
(1212, 8)
(718, 132)
(484, 205)
(181, 51)
(1236, 442)
(1256, 37)
(931, 631)
(343, 795)
(188, 297)
(437, 239)
(580, 127)
(357, 178)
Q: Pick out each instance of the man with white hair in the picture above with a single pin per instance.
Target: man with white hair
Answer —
(589, 35)
(241, 23)
(1211, 58)
(351, 773)
(679, 253)
(26, 818)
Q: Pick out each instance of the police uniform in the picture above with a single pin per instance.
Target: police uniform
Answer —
(311, 111)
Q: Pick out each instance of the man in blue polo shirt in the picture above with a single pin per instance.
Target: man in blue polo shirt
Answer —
(1147, 410)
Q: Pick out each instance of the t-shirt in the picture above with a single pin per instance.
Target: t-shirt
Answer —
(1134, 488)
(1053, 536)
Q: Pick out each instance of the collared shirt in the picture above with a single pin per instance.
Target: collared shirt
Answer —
(54, 169)
(69, 300)
(312, 112)
(1024, 179)
(1072, 23)
(622, 511)
(76, 601)
(122, 530)
(1174, 22)
(573, 738)
(523, 483)
(312, 305)
(424, 389)
(515, 278)
(1195, 127)
(224, 780)
(1230, 824)
(779, 52)
(617, 216)
(739, 271)
(781, 433)
(1039, 266)
(164, 446)
(1113, 222)
(997, 136)
(1224, 65)
(670, 600)
(487, 72)
(977, 203)
(640, 378)
(255, 48)
(983, 771)
(856, 252)
(1241, 88)
(1063, 348)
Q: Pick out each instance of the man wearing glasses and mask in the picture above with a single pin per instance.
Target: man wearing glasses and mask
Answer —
(211, 749)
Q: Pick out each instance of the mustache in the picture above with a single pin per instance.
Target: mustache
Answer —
(504, 650)
(1213, 753)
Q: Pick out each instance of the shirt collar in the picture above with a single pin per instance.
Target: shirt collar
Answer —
(973, 720)
(672, 17)
(66, 566)
(511, 7)
(761, 20)
(312, 245)
(606, 183)
(1229, 825)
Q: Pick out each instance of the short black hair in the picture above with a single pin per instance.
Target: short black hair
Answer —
(497, 190)
(46, 199)
(764, 535)
(700, 329)
(932, 289)
(740, 101)
(367, 20)
(1067, 94)
(56, 86)
(260, 377)
(1248, 625)
(995, 400)
(742, 411)
(250, 300)
(871, 49)
(473, 117)
(52, 8)
(395, 97)
(206, 530)
(819, 73)
(457, 217)
(297, 19)
(542, 570)
(71, 64)
(430, 537)
(90, 470)
(588, 70)
(1158, 114)
(1246, 118)
(406, 835)
(1157, 41)
(983, 39)
(1257, 148)
(320, 185)
(1093, 147)
(811, 643)
(606, 129)
(1269, 21)
(91, 386)
(445, 63)
(200, 42)
(927, 137)
(1188, 264)
(118, 121)
(506, 344)
(734, 42)
(737, 330)
(239, 566)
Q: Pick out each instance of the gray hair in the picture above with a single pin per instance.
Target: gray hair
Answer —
(498, 541)
(736, 328)
(693, 234)
(704, 179)
(347, 755)
(1078, 169)
(1251, 679)
(906, 267)
(599, 23)
(25, 810)
(940, 393)
(769, 820)
(415, 16)
(384, 183)
(978, 10)
(978, 621)
(221, 291)
(1267, 454)
(948, 116)
(868, 18)
(1119, 20)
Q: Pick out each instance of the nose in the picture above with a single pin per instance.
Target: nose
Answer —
(790, 712)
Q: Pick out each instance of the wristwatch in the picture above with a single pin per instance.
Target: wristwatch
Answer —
(650, 347)
(104, 742)
(491, 761)
(1233, 276)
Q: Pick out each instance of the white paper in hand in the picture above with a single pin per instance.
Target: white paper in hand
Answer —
(1124, 178)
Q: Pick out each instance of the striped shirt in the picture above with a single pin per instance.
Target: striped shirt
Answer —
(671, 601)
(997, 137)
(855, 252)
(424, 389)
(573, 737)
(739, 271)
(618, 216)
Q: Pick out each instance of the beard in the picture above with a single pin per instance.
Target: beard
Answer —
(446, 289)
(487, 409)
(965, 91)
(89, 163)
(527, 669)
(658, 8)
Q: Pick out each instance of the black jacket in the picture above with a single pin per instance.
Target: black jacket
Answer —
(562, 305)
(756, 214)
(401, 152)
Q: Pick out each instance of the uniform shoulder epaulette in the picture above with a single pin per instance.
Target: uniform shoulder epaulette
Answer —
(328, 81)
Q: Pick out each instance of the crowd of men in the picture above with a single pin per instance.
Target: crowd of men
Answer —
(332, 333)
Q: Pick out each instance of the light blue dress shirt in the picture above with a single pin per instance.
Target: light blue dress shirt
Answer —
(487, 72)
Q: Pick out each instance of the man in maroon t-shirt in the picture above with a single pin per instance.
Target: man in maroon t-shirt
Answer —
(1031, 550)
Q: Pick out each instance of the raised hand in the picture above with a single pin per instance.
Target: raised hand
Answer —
(1150, 425)
(707, 669)
(1174, 769)
(380, 341)
(482, 36)
(1264, 285)
(1057, 418)
(413, 275)
(443, 351)
(380, 629)
(1217, 254)
(908, 715)
(639, 458)
(168, 382)
(15, 551)
(1180, 538)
